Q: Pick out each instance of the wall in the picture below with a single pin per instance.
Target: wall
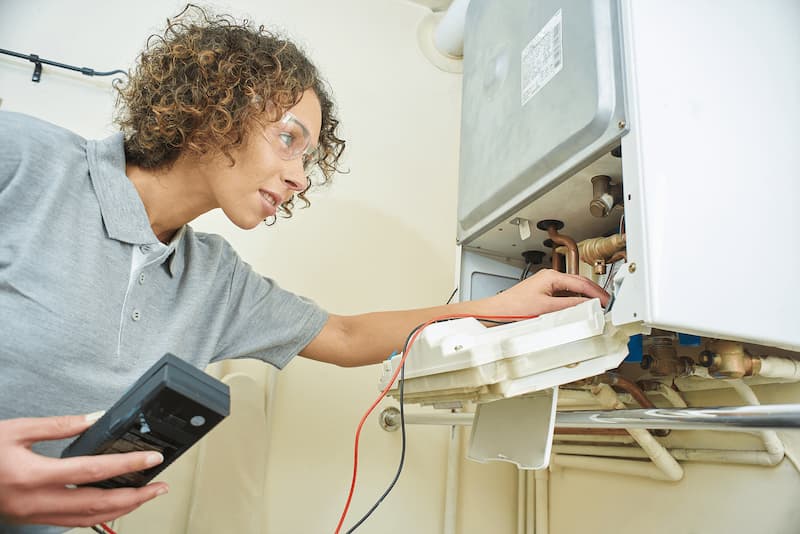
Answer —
(381, 237)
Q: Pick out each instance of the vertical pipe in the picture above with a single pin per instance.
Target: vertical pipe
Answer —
(522, 500)
(529, 503)
(542, 504)
(451, 487)
(572, 248)
(772, 443)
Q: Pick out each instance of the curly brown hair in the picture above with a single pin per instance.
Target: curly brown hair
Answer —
(202, 85)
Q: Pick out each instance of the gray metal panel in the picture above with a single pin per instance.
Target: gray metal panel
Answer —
(514, 146)
(483, 276)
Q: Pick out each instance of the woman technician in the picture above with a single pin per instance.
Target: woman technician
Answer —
(100, 273)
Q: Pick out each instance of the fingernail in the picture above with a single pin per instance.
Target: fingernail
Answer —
(161, 491)
(153, 459)
(94, 416)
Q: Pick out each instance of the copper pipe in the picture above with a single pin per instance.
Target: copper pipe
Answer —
(572, 248)
(635, 392)
(629, 387)
(556, 259)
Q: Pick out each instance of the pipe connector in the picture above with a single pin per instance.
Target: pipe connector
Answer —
(729, 359)
(605, 196)
(552, 227)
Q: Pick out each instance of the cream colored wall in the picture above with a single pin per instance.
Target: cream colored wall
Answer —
(381, 237)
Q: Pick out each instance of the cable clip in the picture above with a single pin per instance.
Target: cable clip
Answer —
(37, 68)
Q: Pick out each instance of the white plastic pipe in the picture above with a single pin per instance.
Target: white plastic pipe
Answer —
(542, 491)
(687, 455)
(522, 503)
(776, 367)
(657, 453)
(672, 396)
(772, 443)
(610, 465)
(451, 486)
(448, 37)
(530, 510)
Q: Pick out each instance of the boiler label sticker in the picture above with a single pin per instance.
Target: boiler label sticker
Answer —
(542, 58)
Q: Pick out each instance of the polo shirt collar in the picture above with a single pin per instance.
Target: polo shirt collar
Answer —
(124, 216)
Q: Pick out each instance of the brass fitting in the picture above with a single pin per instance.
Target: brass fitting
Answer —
(598, 248)
(661, 357)
(605, 196)
(729, 359)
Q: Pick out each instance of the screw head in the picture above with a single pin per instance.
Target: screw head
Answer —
(621, 124)
(632, 268)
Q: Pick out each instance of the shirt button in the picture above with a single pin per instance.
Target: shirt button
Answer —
(145, 248)
(136, 315)
(141, 278)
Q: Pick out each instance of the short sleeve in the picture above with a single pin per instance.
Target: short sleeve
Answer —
(264, 321)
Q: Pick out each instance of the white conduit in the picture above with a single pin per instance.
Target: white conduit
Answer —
(530, 515)
(521, 500)
(687, 455)
(451, 487)
(449, 34)
(772, 443)
(672, 396)
(611, 465)
(776, 367)
(668, 466)
(542, 480)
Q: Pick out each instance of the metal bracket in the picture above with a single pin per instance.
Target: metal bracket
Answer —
(37, 68)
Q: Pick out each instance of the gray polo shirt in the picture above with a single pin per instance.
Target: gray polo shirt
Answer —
(89, 298)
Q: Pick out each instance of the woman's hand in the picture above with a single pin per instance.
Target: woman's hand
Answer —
(33, 488)
(545, 292)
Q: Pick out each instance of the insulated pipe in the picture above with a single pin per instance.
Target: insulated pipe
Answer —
(772, 442)
(671, 395)
(776, 367)
(657, 453)
(448, 37)
(721, 456)
(610, 465)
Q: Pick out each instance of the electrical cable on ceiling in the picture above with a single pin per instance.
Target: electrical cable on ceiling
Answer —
(412, 337)
(38, 62)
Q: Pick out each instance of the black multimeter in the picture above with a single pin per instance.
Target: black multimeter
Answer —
(167, 410)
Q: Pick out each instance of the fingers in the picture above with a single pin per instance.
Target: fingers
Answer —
(577, 284)
(88, 506)
(32, 429)
(86, 469)
(559, 303)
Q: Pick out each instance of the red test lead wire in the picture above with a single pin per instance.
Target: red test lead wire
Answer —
(392, 380)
